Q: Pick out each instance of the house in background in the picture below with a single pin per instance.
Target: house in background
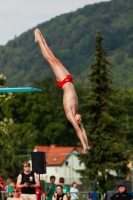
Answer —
(61, 162)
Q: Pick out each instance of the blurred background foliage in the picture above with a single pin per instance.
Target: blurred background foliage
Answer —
(71, 37)
(29, 119)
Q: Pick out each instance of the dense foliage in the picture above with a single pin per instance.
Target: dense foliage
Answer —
(29, 119)
(71, 38)
(13, 145)
(42, 114)
(106, 121)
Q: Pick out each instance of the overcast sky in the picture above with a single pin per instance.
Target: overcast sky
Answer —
(18, 16)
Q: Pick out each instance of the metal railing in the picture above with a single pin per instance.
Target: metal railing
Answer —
(91, 195)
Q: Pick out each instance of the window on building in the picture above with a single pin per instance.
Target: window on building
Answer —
(67, 163)
(80, 163)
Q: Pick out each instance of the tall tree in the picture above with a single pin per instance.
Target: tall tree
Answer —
(103, 114)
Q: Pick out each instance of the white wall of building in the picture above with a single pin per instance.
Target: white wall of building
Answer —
(68, 172)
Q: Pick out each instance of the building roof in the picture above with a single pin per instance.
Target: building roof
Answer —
(56, 155)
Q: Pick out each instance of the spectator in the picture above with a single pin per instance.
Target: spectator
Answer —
(28, 182)
(74, 191)
(19, 192)
(65, 188)
(59, 195)
(1, 183)
(14, 195)
(10, 187)
(50, 188)
(122, 194)
(39, 194)
(6, 188)
(1, 186)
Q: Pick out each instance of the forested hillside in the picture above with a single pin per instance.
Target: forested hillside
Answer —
(71, 37)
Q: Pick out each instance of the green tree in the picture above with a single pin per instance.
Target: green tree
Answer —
(12, 143)
(42, 114)
(3, 96)
(103, 115)
(127, 101)
(12, 147)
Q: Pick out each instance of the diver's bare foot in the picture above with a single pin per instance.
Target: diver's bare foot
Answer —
(37, 33)
(38, 36)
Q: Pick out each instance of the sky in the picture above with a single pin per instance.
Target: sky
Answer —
(18, 16)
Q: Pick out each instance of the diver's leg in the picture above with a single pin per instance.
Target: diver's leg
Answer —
(59, 70)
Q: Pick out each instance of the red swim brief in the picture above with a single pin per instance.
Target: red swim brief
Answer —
(67, 79)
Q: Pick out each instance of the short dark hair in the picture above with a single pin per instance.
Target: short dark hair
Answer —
(52, 177)
(61, 180)
(59, 186)
(13, 181)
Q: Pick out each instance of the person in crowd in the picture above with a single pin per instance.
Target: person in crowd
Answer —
(1, 187)
(28, 182)
(10, 187)
(59, 195)
(19, 192)
(40, 195)
(74, 191)
(15, 195)
(122, 193)
(65, 188)
(6, 188)
(64, 81)
(50, 188)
